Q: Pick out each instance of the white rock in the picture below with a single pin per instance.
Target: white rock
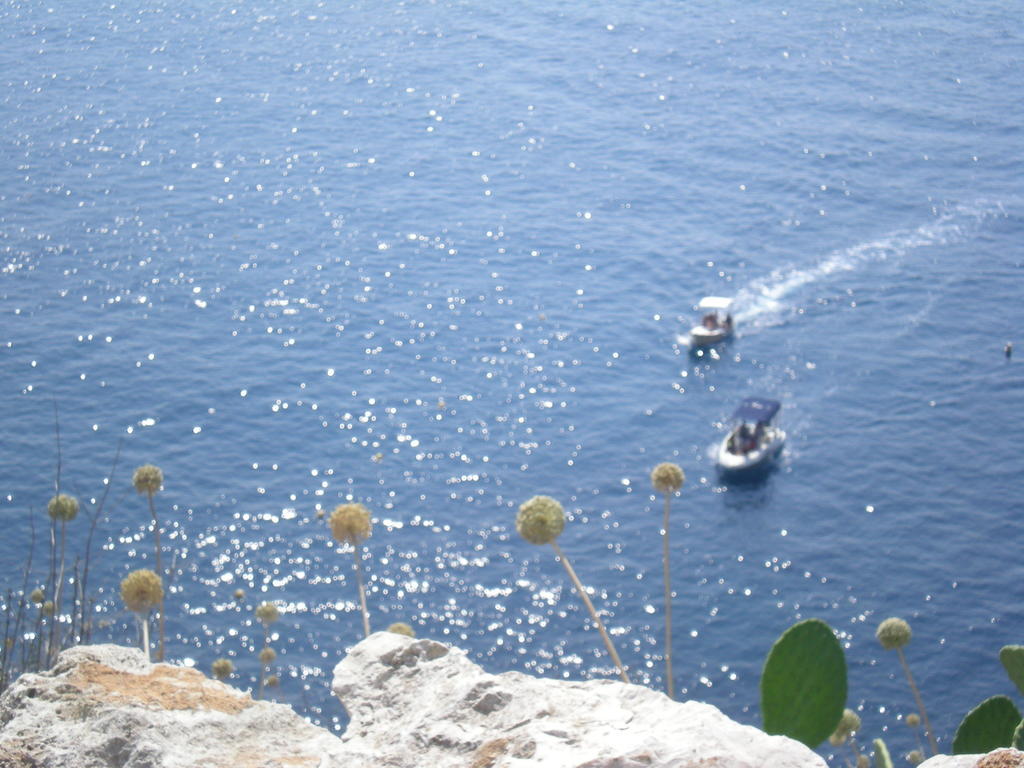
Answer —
(103, 706)
(421, 703)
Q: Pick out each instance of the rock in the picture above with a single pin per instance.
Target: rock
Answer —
(104, 706)
(413, 703)
(417, 702)
(997, 758)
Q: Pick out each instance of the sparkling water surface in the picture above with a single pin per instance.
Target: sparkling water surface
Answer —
(438, 257)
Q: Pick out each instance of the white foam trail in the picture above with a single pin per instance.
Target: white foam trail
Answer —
(764, 299)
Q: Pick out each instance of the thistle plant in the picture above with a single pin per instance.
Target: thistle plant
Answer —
(893, 634)
(667, 479)
(62, 509)
(350, 524)
(141, 591)
(540, 521)
(266, 613)
(401, 628)
(848, 725)
(147, 480)
(222, 668)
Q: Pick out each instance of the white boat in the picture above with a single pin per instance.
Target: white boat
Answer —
(754, 442)
(715, 321)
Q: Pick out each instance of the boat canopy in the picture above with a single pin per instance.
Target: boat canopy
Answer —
(757, 410)
(715, 302)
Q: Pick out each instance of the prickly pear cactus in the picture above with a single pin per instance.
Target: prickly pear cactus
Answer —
(1018, 737)
(882, 759)
(988, 726)
(1012, 657)
(803, 685)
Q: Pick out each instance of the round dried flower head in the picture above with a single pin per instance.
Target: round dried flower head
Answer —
(401, 628)
(148, 479)
(47, 608)
(267, 655)
(350, 523)
(222, 668)
(239, 594)
(141, 590)
(848, 723)
(267, 613)
(37, 595)
(863, 761)
(893, 633)
(63, 507)
(273, 681)
(915, 757)
(913, 720)
(667, 478)
(540, 520)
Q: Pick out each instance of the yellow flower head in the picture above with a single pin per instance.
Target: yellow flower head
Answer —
(63, 507)
(667, 478)
(401, 628)
(350, 523)
(148, 479)
(893, 633)
(267, 613)
(222, 668)
(540, 520)
(141, 590)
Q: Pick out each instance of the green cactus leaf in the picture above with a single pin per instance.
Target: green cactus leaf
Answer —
(1012, 657)
(988, 726)
(882, 759)
(803, 685)
(1018, 737)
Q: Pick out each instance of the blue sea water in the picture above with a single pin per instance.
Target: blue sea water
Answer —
(438, 257)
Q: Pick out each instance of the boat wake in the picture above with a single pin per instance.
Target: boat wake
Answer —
(764, 301)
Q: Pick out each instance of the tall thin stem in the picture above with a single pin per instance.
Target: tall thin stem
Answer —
(920, 704)
(263, 667)
(593, 614)
(144, 625)
(160, 573)
(58, 598)
(362, 590)
(51, 588)
(668, 604)
(86, 630)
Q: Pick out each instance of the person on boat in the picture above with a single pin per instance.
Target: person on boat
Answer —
(709, 321)
(744, 439)
(758, 435)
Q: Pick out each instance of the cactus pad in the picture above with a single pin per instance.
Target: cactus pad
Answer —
(1012, 657)
(803, 685)
(988, 726)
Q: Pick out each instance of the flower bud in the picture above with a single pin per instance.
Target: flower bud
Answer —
(401, 628)
(148, 479)
(893, 633)
(63, 507)
(350, 523)
(913, 720)
(915, 757)
(141, 590)
(273, 681)
(540, 520)
(37, 595)
(667, 478)
(267, 613)
(222, 668)
(267, 655)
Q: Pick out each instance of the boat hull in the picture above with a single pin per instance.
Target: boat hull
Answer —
(752, 461)
(703, 337)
